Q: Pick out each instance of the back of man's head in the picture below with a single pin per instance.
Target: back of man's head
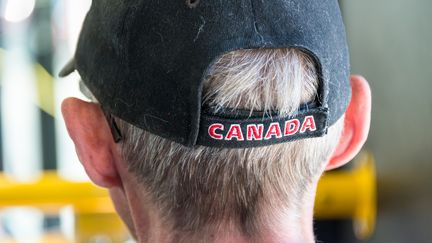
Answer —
(201, 190)
(216, 118)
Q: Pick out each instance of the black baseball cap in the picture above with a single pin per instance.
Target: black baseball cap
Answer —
(145, 61)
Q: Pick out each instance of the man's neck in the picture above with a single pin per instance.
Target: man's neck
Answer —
(287, 227)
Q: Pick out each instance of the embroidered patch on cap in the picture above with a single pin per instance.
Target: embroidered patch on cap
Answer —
(225, 131)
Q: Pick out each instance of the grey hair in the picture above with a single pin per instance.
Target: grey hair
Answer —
(202, 189)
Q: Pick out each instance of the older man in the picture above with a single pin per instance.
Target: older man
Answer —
(212, 121)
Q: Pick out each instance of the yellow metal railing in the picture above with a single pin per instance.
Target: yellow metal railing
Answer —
(350, 195)
(341, 195)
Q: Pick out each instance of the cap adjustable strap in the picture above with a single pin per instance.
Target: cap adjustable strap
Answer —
(218, 130)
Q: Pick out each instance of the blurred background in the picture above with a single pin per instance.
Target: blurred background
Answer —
(389, 42)
(389, 46)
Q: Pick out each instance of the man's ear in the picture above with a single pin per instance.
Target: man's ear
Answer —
(93, 141)
(356, 125)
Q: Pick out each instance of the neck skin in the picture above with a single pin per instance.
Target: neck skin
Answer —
(145, 224)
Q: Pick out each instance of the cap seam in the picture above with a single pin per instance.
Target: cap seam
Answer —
(255, 23)
(127, 20)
